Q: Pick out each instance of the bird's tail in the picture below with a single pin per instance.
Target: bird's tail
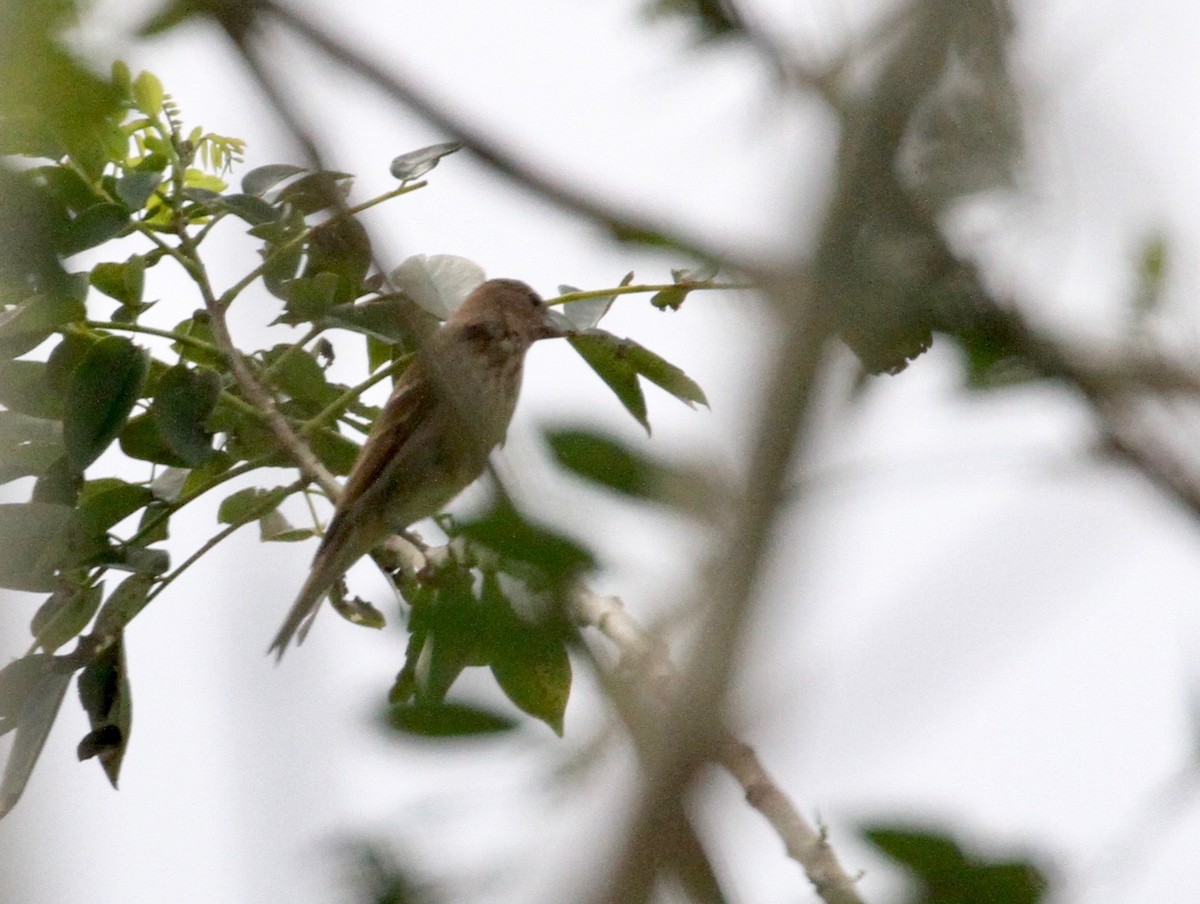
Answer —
(331, 562)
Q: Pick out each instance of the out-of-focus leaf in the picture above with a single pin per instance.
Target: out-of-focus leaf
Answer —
(446, 720)
(100, 394)
(59, 483)
(28, 445)
(604, 460)
(148, 93)
(26, 326)
(183, 400)
(65, 614)
(33, 544)
(336, 451)
(948, 875)
(438, 282)
(135, 188)
(601, 353)
(38, 709)
(105, 695)
(556, 559)
(123, 604)
(24, 389)
(416, 164)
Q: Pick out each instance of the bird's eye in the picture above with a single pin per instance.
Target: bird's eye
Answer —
(536, 302)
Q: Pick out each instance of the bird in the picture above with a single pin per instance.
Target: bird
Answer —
(449, 409)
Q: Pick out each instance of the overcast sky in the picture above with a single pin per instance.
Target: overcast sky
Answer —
(971, 621)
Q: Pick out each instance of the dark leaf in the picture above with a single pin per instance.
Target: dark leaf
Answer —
(336, 451)
(670, 299)
(605, 461)
(105, 695)
(183, 400)
(341, 247)
(259, 181)
(300, 376)
(33, 544)
(100, 395)
(197, 327)
(315, 191)
(170, 16)
(253, 210)
(93, 227)
(446, 720)
(309, 298)
(250, 504)
(392, 320)
(19, 679)
(37, 714)
(136, 188)
(140, 439)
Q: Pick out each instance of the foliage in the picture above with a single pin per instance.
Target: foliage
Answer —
(121, 410)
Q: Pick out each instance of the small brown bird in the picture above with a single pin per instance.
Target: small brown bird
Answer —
(449, 409)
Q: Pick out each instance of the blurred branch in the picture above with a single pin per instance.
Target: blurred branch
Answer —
(624, 224)
(646, 659)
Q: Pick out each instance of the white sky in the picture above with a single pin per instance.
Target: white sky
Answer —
(971, 623)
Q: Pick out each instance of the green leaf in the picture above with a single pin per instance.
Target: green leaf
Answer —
(123, 604)
(19, 679)
(391, 320)
(33, 544)
(274, 527)
(417, 163)
(183, 400)
(298, 373)
(663, 374)
(93, 227)
(948, 875)
(148, 93)
(65, 614)
(140, 439)
(670, 299)
(529, 662)
(59, 483)
(308, 298)
(250, 504)
(336, 451)
(261, 180)
(137, 187)
(107, 502)
(197, 327)
(105, 694)
(100, 395)
(446, 720)
(125, 282)
(601, 351)
(556, 559)
(37, 713)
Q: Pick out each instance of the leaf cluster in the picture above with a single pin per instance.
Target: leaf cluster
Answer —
(121, 409)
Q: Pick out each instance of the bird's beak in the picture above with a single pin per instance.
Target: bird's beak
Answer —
(555, 326)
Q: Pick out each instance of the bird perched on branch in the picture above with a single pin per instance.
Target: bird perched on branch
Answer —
(449, 409)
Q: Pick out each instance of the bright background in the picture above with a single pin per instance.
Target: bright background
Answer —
(974, 623)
